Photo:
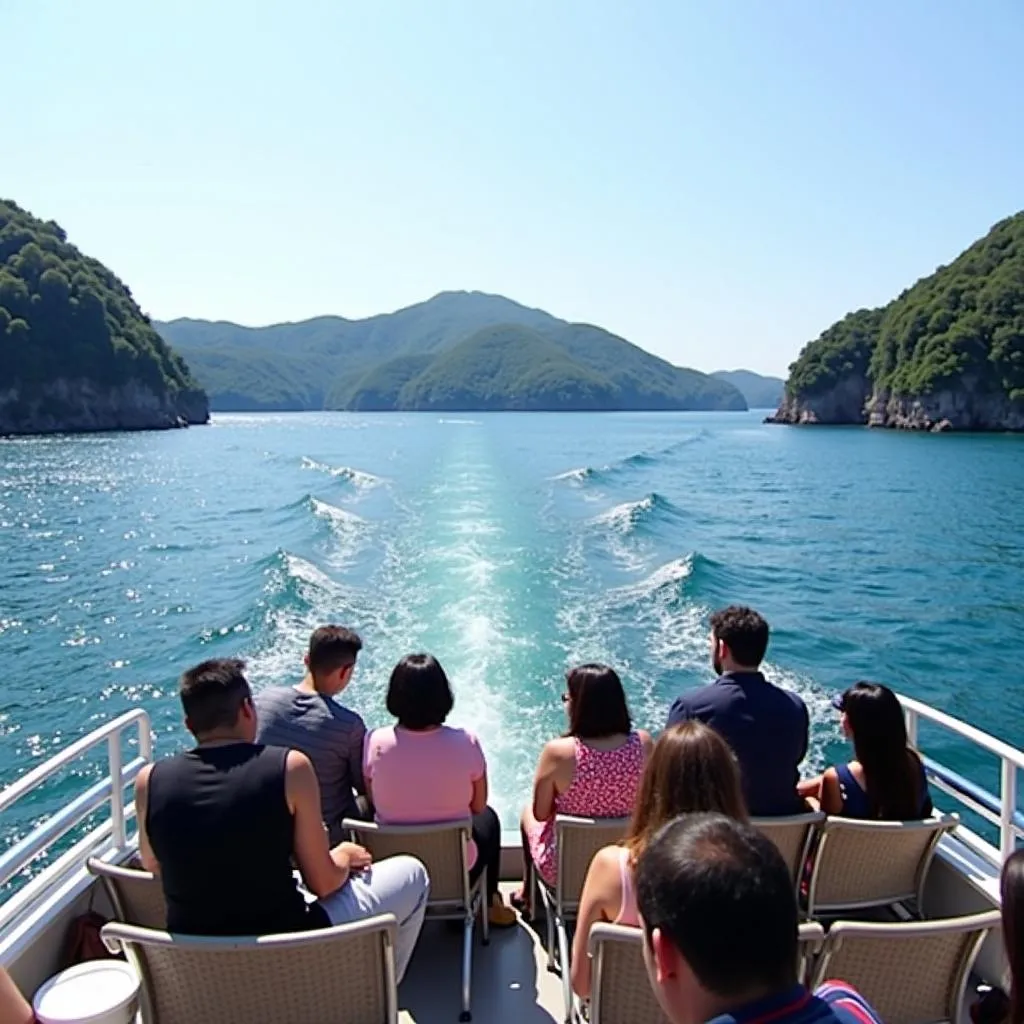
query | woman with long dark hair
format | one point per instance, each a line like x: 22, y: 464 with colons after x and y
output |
x: 1012, y: 896
x: 886, y: 779
x: 691, y: 769
x: 593, y: 770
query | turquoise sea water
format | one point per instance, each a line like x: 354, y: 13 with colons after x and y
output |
x: 510, y: 546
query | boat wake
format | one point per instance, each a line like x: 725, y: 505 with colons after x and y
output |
x: 633, y: 516
x: 355, y: 477
x: 638, y: 460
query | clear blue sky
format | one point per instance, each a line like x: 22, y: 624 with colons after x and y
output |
x: 716, y: 181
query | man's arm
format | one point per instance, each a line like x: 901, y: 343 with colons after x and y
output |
x: 679, y: 712
x: 149, y: 861
x: 323, y: 870
x: 356, y: 739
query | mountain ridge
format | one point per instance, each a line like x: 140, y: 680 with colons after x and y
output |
x: 321, y: 362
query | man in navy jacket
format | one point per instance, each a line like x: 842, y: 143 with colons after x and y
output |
x: 766, y: 726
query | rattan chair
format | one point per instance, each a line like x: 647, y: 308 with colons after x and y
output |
x: 577, y: 840
x: 339, y: 975
x: 620, y: 990
x: 858, y: 865
x: 443, y: 849
x: 136, y: 896
x: 794, y: 836
x: 911, y: 972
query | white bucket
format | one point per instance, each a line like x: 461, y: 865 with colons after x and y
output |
x: 96, y: 992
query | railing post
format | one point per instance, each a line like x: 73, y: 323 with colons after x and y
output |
x: 1008, y: 805
x: 116, y: 790
x: 911, y: 717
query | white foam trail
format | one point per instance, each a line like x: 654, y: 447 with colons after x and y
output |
x: 461, y: 423
x: 575, y: 475
x: 339, y: 517
x: 354, y: 476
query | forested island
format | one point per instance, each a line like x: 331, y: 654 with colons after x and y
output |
x: 947, y: 354
x: 76, y: 352
x: 459, y: 351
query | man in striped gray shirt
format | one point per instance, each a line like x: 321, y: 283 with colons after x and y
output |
x: 306, y: 717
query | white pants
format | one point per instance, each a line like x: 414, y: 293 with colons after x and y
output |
x: 396, y: 885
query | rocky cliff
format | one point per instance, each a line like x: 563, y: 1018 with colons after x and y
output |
x: 76, y: 352
x: 83, y: 406
x: 947, y: 354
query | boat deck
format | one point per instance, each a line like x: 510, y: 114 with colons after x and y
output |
x: 511, y: 982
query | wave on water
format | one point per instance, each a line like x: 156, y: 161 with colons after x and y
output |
x: 356, y: 477
x: 460, y: 423
x: 631, y: 516
x: 339, y: 518
x: 638, y: 460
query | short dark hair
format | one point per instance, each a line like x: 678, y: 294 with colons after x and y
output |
x: 743, y: 631
x: 722, y: 894
x: 213, y: 692
x: 419, y: 694
x: 598, y: 703
x: 331, y: 648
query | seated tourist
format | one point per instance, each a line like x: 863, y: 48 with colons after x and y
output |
x: 593, y: 770
x: 691, y: 769
x: 14, y: 1007
x: 766, y: 726
x: 1012, y: 899
x: 720, y: 925
x: 306, y: 717
x: 886, y: 780
x: 221, y: 823
x: 421, y: 771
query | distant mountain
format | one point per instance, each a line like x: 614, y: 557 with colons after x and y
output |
x: 459, y: 350
x: 946, y: 354
x: 760, y: 392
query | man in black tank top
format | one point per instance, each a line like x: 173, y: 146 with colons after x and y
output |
x: 221, y: 823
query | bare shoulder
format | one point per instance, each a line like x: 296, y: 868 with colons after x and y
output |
x: 645, y: 738
x: 142, y: 779
x: 297, y: 765
x: 558, y: 750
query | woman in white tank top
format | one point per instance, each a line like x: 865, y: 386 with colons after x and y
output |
x: 690, y: 769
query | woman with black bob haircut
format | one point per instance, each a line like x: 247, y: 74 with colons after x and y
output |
x: 421, y: 771
x: 593, y: 770
x: 886, y: 779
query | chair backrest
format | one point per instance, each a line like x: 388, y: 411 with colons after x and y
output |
x: 339, y: 975
x: 810, y: 939
x: 578, y: 839
x: 443, y: 849
x: 910, y: 972
x: 859, y: 864
x: 793, y: 835
x: 136, y: 896
x: 620, y: 991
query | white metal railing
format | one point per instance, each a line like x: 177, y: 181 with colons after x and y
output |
x: 113, y: 790
x: 1000, y: 810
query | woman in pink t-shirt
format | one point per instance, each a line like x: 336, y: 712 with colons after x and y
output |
x: 421, y: 771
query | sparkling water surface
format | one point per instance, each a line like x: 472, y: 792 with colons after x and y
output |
x: 511, y: 546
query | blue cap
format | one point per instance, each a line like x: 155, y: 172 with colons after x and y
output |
x: 837, y: 701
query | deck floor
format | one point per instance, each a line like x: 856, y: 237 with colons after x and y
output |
x: 511, y: 982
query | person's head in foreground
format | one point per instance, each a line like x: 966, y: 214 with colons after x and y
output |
x: 719, y: 915
x: 1012, y: 893
x: 217, y: 702
x: 691, y: 769
x: 331, y: 658
x: 739, y: 639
